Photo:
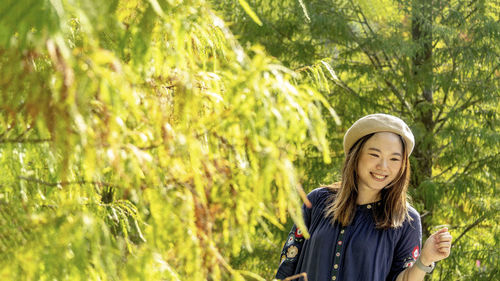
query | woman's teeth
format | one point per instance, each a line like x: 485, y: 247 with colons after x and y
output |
x: 378, y: 176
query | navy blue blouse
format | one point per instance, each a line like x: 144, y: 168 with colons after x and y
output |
x: 356, y: 252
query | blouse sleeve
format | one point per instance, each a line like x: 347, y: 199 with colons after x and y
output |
x: 290, y: 253
x: 408, y: 247
x: 293, y: 245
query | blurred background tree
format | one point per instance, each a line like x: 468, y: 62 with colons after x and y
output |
x: 433, y: 63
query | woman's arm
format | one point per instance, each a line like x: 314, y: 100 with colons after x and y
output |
x: 436, y: 248
x: 290, y: 253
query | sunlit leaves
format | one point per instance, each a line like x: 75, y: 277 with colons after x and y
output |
x: 141, y: 142
x: 373, y: 51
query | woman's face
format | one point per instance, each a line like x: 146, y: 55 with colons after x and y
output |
x: 380, y: 161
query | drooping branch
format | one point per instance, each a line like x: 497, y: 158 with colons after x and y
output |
x: 467, y: 167
x: 63, y: 183
x: 455, y: 108
x: 367, y: 24
x: 17, y: 140
x: 377, y: 62
x: 447, y: 92
x: 458, y: 108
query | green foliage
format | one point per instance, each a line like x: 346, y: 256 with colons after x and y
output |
x: 139, y: 141
x: 435, y: 64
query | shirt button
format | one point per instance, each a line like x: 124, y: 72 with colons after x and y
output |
x: 340, y: 242
x: 342, y: 231
x: 337, y: 254
x: 369, y: 206
x: 334, y: 277
x: 336, y: 266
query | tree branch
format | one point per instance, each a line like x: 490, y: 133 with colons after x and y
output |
x: 63, y: 183
x: 17, y: 140
x: 455, y: 108
x: 444, y: 21
x: 346, y: 87
x: 467, y: 167
x: 468, y: 228
x: 376, y: 62
x: 365, y: 22
x: 445, y: 99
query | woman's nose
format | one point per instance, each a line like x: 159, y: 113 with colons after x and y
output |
x: 382, y: 164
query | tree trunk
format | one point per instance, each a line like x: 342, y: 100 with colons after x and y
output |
x: 423, y: 103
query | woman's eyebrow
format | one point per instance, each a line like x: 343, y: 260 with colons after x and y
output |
x: 378, y: 150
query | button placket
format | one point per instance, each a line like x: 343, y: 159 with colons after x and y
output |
x: 338, y: 252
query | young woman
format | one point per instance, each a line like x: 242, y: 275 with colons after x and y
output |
x: 363, y: 227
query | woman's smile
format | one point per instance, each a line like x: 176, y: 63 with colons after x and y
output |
x: 378, y: 177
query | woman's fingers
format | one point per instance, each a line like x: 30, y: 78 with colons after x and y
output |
x: 444, y: 245
x: 444, y: 237
x: 442, y: 230
x: 442, y: 241
x: 442, y: 234
x: 438, y: 245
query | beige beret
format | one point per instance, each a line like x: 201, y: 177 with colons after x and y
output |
x: 375, y: 123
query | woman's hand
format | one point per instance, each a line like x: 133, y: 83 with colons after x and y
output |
x: 436, y: 247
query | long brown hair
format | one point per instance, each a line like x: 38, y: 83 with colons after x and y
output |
x: 392, y: 211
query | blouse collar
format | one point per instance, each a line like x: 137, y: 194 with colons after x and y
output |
x: 369, y: 206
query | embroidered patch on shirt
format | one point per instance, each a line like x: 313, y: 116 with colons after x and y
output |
x: 408, y: 264
x: 415, y: 253
x: 290, y: 241
x: 298, y: 233
x: 292, y: 252
x: 409, y: 261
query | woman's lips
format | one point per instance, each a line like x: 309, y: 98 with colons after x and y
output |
x: 378, y: 177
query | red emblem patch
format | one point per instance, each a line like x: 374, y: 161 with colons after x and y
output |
x: 298, y: 233
x: 415, y: 252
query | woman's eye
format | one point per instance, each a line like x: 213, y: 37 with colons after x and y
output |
x: 395, y: 159
x: 374, y: 155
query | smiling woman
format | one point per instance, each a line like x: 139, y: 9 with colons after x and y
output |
x: 363, y: 227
